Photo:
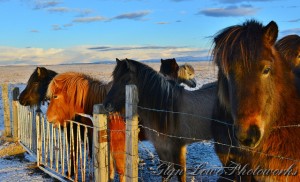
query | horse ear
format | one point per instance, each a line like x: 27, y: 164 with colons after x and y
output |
x: 38, y: 70
x: 118, y: 60
x: 129, y: 65
x: 41, y: 71
x: 271, y: 33
x: 161, y: 60
x: 174, y: 63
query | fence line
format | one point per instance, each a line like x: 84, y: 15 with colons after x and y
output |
x: 47, y: 142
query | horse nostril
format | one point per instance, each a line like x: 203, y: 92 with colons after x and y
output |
x: 250, y: 137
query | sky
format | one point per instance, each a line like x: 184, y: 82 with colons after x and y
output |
x: 44, y: 32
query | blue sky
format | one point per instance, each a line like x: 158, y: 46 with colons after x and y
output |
x: 43, y: 32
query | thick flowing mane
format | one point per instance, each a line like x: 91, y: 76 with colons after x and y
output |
x: 155, y: 91
x: 80, y: 91
x: 242, y: 43
x: 149, y: 81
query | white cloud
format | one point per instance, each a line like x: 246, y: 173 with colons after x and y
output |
x: 83, y: 54
x: 89, y: 19
x: 230, y: 11
x: 41, y: 4
x: 133, y: 15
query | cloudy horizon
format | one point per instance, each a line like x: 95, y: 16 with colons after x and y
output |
x: 59, y: 31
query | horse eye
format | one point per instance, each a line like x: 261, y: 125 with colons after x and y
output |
x: 54, y: 96
x: 266, y: 71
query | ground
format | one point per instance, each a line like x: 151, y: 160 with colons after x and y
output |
x: 18, y: 165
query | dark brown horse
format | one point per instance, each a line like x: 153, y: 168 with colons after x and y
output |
x: 35, y: 92
x: 184, y: 113
x: 181, y: 74
x: 169, y: 68
x: 258, y: 97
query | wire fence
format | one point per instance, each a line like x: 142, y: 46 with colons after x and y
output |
x: 149, y: 165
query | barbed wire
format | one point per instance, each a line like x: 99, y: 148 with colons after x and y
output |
x: 187, y: 114
x: 196, y: 139
x: 218, y: 143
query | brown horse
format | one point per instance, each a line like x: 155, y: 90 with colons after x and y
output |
x: 258, y: 97
x: 71, y: 93
x: 169, y: 68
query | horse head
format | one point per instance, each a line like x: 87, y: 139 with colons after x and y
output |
x: 122, y: 75
x: 36, y: 88
x: 249, y: 78
x: 186, y: 75
x: 169, y: 68
x: 67, y: 97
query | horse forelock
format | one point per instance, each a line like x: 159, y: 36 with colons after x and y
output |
x: 78, y: 91
x: 236, y: 44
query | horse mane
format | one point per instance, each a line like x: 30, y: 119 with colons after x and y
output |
x: 241, y: 37
x: 289, y: 47
x: 150, y: 82
x: 80, y: 91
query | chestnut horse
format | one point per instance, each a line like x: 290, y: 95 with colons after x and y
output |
x: 258, y: 97
x: 71, y: 93
x: 181, y: 74
x: 156, y: 92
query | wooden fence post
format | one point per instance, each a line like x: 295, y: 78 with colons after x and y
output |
x: 15, y: 93
x: 100, y: 144
x: 6, y: 110
x: 132, y: 131
x: 38, y: 138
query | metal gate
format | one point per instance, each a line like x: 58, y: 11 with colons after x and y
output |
x: 63, y: 152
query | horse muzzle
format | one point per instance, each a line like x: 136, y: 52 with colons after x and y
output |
x: 249, y: 137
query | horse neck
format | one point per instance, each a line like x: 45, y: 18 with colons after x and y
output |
x: 95, y: 95
x: 155, y: 90
x: 50, y: 75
